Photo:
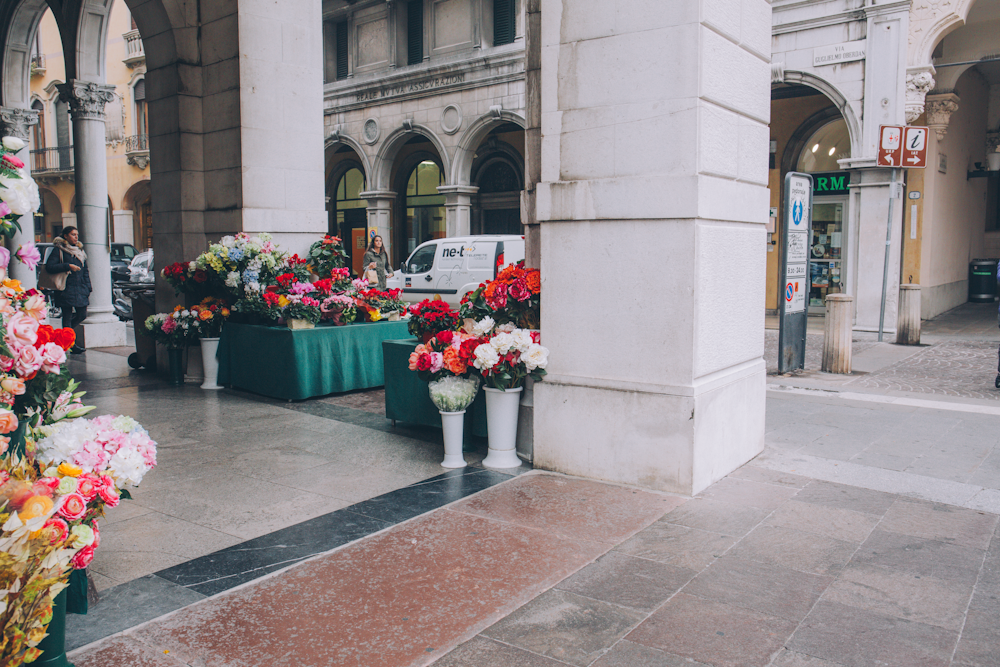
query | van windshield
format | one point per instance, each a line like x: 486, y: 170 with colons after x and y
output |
x: 422, y: 259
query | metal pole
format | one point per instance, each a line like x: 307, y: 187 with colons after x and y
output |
x: 888, y: 241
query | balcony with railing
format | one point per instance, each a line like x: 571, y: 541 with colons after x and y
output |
x: 137, y: 150
x: 52, y: 162
x: 134, y: 52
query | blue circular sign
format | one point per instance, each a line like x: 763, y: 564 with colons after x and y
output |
x: 797, y: 212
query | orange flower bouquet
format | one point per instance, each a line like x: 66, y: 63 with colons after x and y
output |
x: 513, y: 298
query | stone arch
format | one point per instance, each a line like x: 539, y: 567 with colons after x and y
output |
x: 927, y: 28
x: 91, y: 39
x: 137, y: 193
x: 461, y: 171
x: 835, y: 96
x: 23, y: 26
x: 382, y: 167
x: 337, y: 139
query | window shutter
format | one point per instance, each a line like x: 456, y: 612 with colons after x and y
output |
x: 140, y: 90
x: 415, y: 32
x: 503, y: 22
x: 342, y: 50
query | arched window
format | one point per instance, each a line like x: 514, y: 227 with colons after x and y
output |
x: 425, y: 219
x: 828, y: 144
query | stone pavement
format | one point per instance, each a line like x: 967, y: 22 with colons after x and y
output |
x: 763, y: 568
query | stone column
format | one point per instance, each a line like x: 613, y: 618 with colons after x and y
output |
x: 86, y: 101
x: 17, y: 123
x: 908, y: 330
x: 458, y: 208
x: 380, y: 216
x: 837, y: 334
x: 665, y: 388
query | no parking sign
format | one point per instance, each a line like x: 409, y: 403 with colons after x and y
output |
x: 797, y: 228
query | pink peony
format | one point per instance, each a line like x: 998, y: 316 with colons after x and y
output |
x: 498, y: 301
x: 169, y: 325
x: 437, y: 361
x: 519, y: 290
x: 29, y: 256
x: 73, y: 507
x: 83, y: 557
x: 91, y: 456
x: 22, y: 328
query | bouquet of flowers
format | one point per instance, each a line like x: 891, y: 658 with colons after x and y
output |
x: 514, y: 297
x: 175, y: 330
x: 326, y: 255
x: 18, y: 195
x: 210, y: 315
x: 339, y: 309
x: 376, y: 304
x: 507, y: 354
x: 429, y: 318
x: 339, y: 280
x: 445, y: 362
x: 187, y: 278
x: 245, y: 264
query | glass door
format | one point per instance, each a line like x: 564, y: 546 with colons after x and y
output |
x: 827, y: 251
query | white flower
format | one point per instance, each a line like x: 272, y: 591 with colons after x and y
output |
x: 21, y: 194
x: 192, y: 266
x: 233, y: 279
x: 127, y: 466
x: 13, y: 143
x: 522, y: 340
x: 507, y: 328
x: 227, y: 241
x: 124, y: 424
x: 185, y: 313
x: 486, y: 357
x: 483, y: 327
x: 502, y: 343
x: 536, y: 356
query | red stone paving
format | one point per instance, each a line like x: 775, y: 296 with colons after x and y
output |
x: 406, y: 596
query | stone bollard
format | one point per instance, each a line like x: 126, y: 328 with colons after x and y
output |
x: 908, y: 322
x: 837, y: 336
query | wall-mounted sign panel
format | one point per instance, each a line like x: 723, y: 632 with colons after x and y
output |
x: 839, y: 53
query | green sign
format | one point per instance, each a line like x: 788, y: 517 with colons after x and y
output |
x: 831, y: 183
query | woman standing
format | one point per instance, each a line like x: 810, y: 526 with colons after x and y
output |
x: 68, y: 255
x: 377, y: 259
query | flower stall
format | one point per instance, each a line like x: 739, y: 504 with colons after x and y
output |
x: 58, y: 470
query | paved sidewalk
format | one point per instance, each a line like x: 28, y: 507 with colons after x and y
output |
x: 762, y: 569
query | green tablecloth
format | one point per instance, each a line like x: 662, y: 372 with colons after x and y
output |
x: 406, y: 397
x: 295, y: 365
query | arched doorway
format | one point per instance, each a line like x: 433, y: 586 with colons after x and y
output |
x: 349, y: 215
x: 139, y: 202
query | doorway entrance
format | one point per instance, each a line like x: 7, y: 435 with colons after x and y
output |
x: 354, y: 231
x: 826, y: 251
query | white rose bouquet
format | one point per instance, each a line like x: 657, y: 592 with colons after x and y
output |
x: 509, y: 355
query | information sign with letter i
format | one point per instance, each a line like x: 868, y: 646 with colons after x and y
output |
x: 796, y: 226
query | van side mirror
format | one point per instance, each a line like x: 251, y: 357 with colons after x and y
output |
x: 402, y: 266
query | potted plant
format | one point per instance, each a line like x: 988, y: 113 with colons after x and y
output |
x: 445, y: 363
x: 300, y: 311
x: 210, y: 314
x: 375, y: 305
x: 175, y: 330
x: 429, y: 318
x: 338, y: 309
x: 326, y: 255
x: 505, y: 358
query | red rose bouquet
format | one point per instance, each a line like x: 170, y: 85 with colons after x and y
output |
x: 514, y: 298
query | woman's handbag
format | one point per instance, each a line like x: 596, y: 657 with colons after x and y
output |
x: 53, y: 281
x: 371, y: 275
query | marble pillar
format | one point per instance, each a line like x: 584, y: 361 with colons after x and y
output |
x: 86, y: 102
x: 653, y: 184
x: 17, y: 123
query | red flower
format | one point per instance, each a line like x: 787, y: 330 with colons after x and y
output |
x: 270, y: 298
x: 424, y: 362
x: 286, y: 279
x: 64, y: 338
x: 519, y: 291
x: 446, y: 337
x: 12, y: 161
x: 200, y: 276
x: 45, y: 335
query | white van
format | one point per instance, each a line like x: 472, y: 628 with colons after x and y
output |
x: 453, y: 267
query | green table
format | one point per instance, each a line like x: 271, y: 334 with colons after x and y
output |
x: 295, y: 365
x: 406, y: 397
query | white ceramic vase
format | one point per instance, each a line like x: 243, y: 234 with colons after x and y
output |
x: 501, y: 424
x: 209, y: 364
x: 453, y: 425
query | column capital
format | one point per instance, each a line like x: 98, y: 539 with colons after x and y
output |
x: 378, y: 195
x: 919, y: 82
x: 86, y: 99
x: 15, y: 122
x: 939, y: 108
x: 458, y: 190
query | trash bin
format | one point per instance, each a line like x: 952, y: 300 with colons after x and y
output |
x: 143, y: 305
x: 983, y: 280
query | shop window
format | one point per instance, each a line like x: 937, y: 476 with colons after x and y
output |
x: 414, y: 32
x: 425, y: 218
x: 503, y: 22
x: 825, y: 147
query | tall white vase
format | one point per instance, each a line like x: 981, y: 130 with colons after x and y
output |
x: 453, y: 425
x: 501, y: 425
x: 210, y: 364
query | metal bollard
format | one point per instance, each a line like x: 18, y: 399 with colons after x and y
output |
x: 837, y: 336
x: 908, y: 321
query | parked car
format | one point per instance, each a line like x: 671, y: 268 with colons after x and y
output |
x: 141, y: 278
x: 453, y: 267
x: 121, y: 256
